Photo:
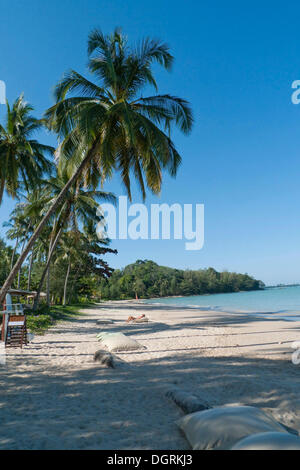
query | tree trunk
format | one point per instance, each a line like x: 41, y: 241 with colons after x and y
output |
x: 40, y: 227
x: 30, y: 269
x: 71, y: 290
x: 66, y: 281
x: 48, y: 275
x: 19, y: 278
x: 13, y: 254
x: 51, y: 251
x: 48, y: 286
x: 48, y: 270
x: 19, y: 273
x: 2, y: 185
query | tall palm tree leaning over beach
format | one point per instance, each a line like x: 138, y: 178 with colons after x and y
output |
x: 109, y: 126
x: 78, y: 205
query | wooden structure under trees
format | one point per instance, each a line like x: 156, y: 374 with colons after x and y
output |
x: 14, y: 330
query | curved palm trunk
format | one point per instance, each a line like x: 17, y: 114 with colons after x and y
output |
x: 19, y: 278
x: 13, y: 254
x: 51, y: 251
x: 2, y: 184
x: 30, y: 269
x: 19, y: 273
x: 40, y: 227
x: 66, y: 282
x: 48, y: 277
x: 48, y: 286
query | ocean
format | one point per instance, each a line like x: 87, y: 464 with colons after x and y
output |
x: 282, y: 301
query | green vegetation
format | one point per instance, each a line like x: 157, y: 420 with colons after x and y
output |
x: 23, y: 161
x: 75, y: 270
x: 48, y: 316
x: 103, y: 126
x: 6, y: 253
x: 147, y: 279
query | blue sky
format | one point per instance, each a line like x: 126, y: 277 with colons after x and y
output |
x: 235, y: 62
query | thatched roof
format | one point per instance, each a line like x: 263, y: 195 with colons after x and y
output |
x: 27, y: 293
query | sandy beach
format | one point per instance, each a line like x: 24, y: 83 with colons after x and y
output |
x: 54, y: 396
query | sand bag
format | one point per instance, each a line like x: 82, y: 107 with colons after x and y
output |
x: 222, y: 427
x: 186, y: 401
x: 104, y: 358
x: 118, y: 342
x: 269, y: 441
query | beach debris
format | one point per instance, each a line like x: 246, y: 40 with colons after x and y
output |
x: 268, y: 441
x: 222, y: 427
x: 105, y: 358
x: 104, y: 321
x: 186, y: 401
x: 118, y: 342
x: 30, y: 337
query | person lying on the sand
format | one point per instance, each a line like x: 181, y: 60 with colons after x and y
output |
x: 131, y: 318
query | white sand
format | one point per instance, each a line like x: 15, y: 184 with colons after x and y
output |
x: 53, y: 396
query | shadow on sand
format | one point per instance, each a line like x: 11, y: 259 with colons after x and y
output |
x: 61, y: 408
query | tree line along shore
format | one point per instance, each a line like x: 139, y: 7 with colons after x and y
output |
x: 146, y: 279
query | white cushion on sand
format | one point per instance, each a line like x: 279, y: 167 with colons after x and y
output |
x: 104, y: 321
x: 269, y: 441
x: 30, y: 336
x: 222, y: 427
x: 118, y: 342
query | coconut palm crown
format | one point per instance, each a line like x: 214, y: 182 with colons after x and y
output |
x: 22, y: 158
x: 109, y: 125
x: 122, y: 129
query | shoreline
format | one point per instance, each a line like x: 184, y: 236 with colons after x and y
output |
x: 63, y: 400
x: 289, y: 313
x: 184, y: 296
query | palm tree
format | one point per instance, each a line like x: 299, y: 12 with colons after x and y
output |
x: 79, y: 205
x: 22, y: 159
x: 39, y: 251
x: 34, y: 207
x: 5, y: 257
x: 109, y: 126
x: 16, y: 224
x: 19, y: 230
x: 84, y: 251
x: 68, y: 251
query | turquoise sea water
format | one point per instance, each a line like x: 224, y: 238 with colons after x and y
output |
x: 283, y: 301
